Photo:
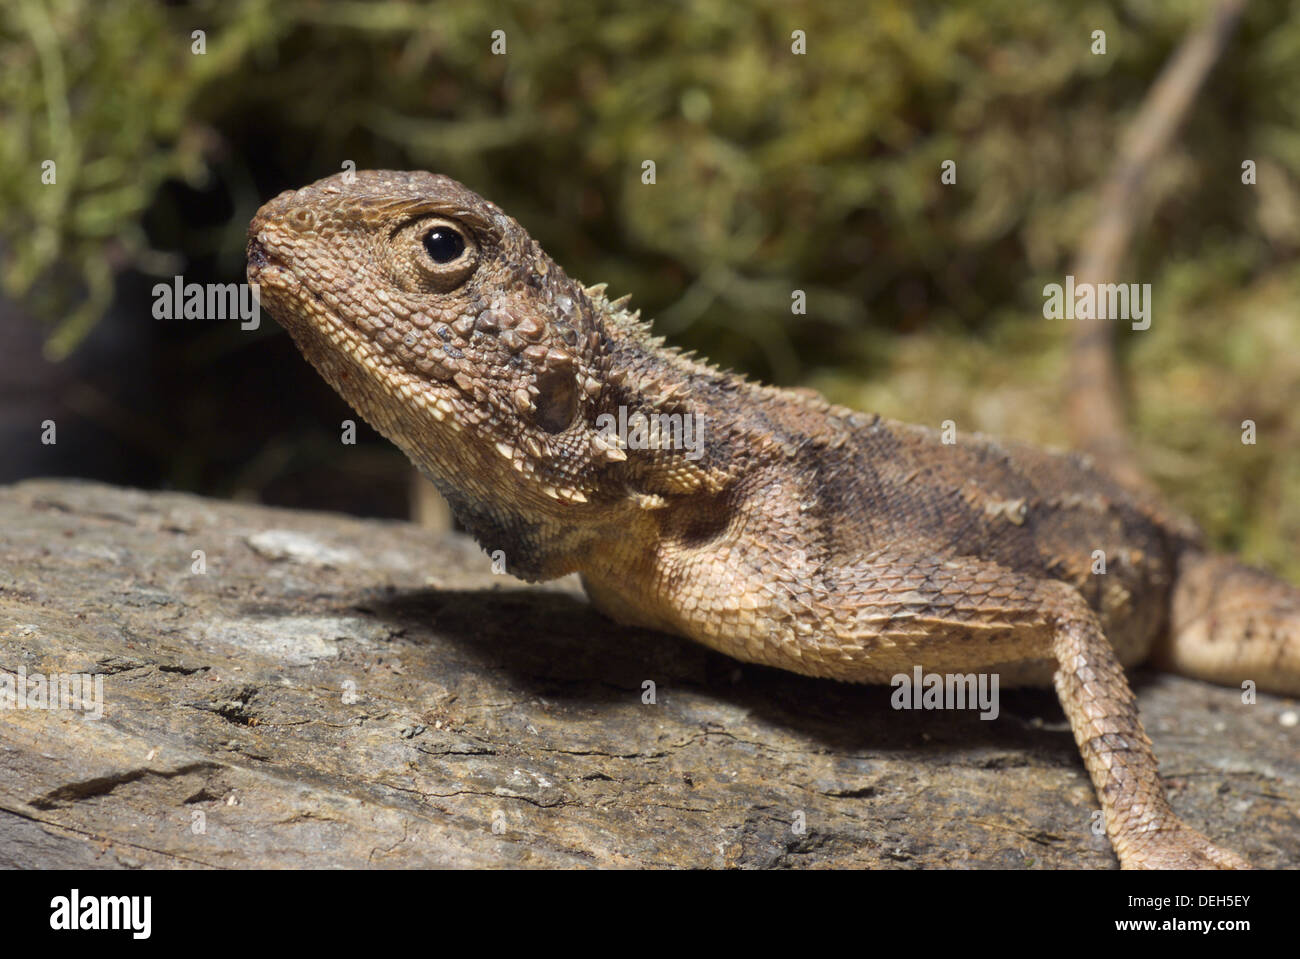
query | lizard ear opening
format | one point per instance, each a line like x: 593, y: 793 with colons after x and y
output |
x: 557, y: 401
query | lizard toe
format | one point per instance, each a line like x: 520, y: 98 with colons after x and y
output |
x: 1177, y: 847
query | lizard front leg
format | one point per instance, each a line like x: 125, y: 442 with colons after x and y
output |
x: 1103, y: 714
x: 891, y: 612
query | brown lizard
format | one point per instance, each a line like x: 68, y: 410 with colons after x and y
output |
x: 795, y: 533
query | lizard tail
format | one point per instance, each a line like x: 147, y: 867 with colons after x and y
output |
x: 1231, y: 623
x: 1095, y: 410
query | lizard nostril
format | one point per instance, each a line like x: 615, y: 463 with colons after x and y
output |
x: 302, y: 219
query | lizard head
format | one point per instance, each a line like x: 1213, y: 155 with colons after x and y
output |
x: 440, y: 320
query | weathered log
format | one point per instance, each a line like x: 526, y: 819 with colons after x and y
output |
x: 333, y: 691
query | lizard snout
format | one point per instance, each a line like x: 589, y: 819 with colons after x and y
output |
x: 257, y: 256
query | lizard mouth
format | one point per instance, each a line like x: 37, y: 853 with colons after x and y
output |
x: 265, y: 270
x: 257, y: 255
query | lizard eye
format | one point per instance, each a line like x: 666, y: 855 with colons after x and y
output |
x: 444, y: 244
x: 442, y: 255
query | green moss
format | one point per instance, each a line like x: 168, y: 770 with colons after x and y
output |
x: 774, y: 172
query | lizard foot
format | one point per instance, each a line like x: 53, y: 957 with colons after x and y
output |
x: 1175, y: 847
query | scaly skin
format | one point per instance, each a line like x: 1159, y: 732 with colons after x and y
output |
x: 803, y: 535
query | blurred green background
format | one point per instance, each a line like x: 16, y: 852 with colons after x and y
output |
x: 775, y: 172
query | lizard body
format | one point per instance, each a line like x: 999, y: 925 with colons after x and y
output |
x: 797, y: 533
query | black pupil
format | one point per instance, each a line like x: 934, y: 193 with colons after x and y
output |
x: 444, y: 244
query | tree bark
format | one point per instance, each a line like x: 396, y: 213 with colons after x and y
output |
x: 341, y: 692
